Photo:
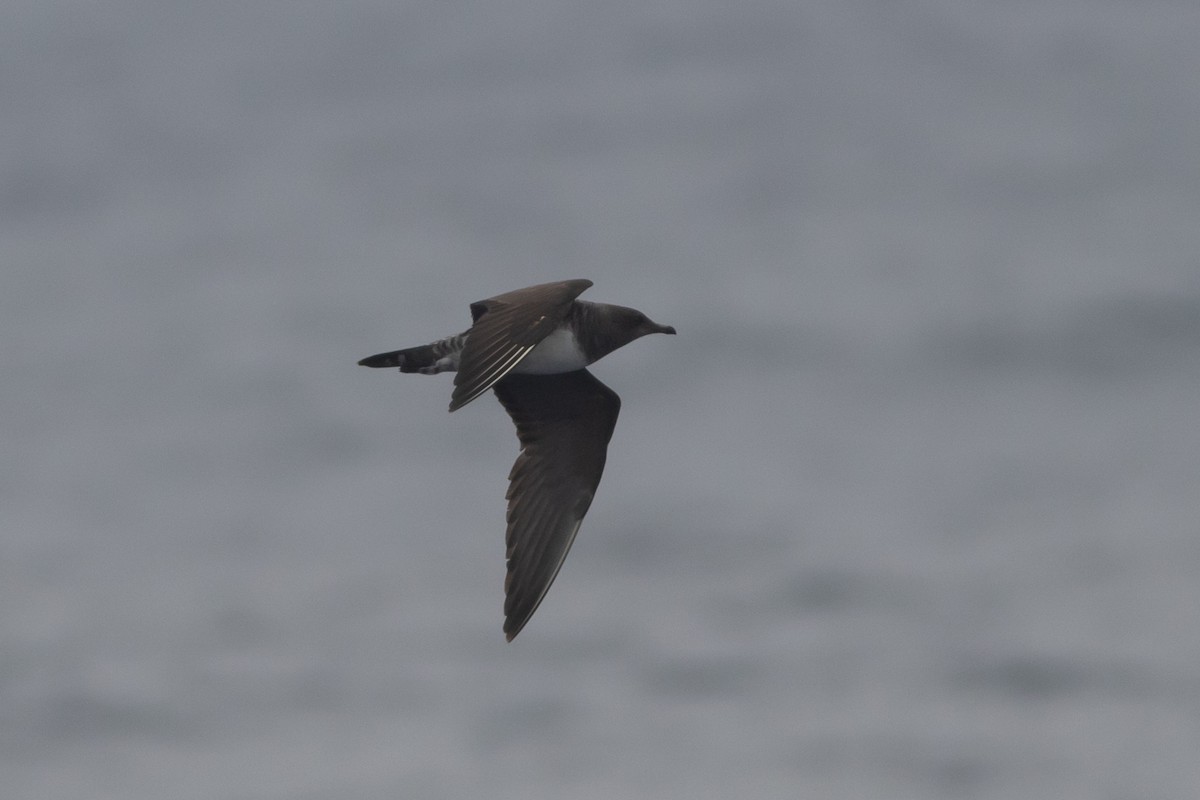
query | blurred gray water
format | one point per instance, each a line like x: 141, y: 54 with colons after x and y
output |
x: 908, y: 509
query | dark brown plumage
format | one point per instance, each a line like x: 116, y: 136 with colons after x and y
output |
x: 532, y: 346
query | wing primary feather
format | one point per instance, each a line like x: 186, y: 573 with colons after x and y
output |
x: 481, y: 384
x: 564, y: 422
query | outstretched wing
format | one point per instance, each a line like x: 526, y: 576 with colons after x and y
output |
x: 564, y: 423
x: 506, y: 328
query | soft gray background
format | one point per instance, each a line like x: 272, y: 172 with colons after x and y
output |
x: 909, y: 508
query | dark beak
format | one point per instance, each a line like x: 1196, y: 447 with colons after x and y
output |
x: 656, y: 328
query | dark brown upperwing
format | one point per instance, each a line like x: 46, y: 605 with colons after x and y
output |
x: 564, y: 423
x: 506, y: 328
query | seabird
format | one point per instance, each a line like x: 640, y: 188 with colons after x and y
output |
x: 532, y: 346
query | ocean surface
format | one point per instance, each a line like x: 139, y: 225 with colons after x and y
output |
x: 910, y: 508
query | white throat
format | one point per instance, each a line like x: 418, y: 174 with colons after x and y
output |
x: 558, y: 352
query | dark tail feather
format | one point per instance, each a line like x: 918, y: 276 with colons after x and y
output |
x: 412, y: 359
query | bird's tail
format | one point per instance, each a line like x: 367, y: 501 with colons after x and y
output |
x: 428, y: 359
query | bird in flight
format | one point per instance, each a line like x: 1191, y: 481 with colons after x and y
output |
x: 532, y: 346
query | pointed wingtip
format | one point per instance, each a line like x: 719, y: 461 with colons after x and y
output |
x: 513, y: 626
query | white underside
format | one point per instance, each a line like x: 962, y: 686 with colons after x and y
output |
x: 444, y: 364
x: 558, y: 352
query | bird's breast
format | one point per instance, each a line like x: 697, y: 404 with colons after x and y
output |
x: 558, y: 352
